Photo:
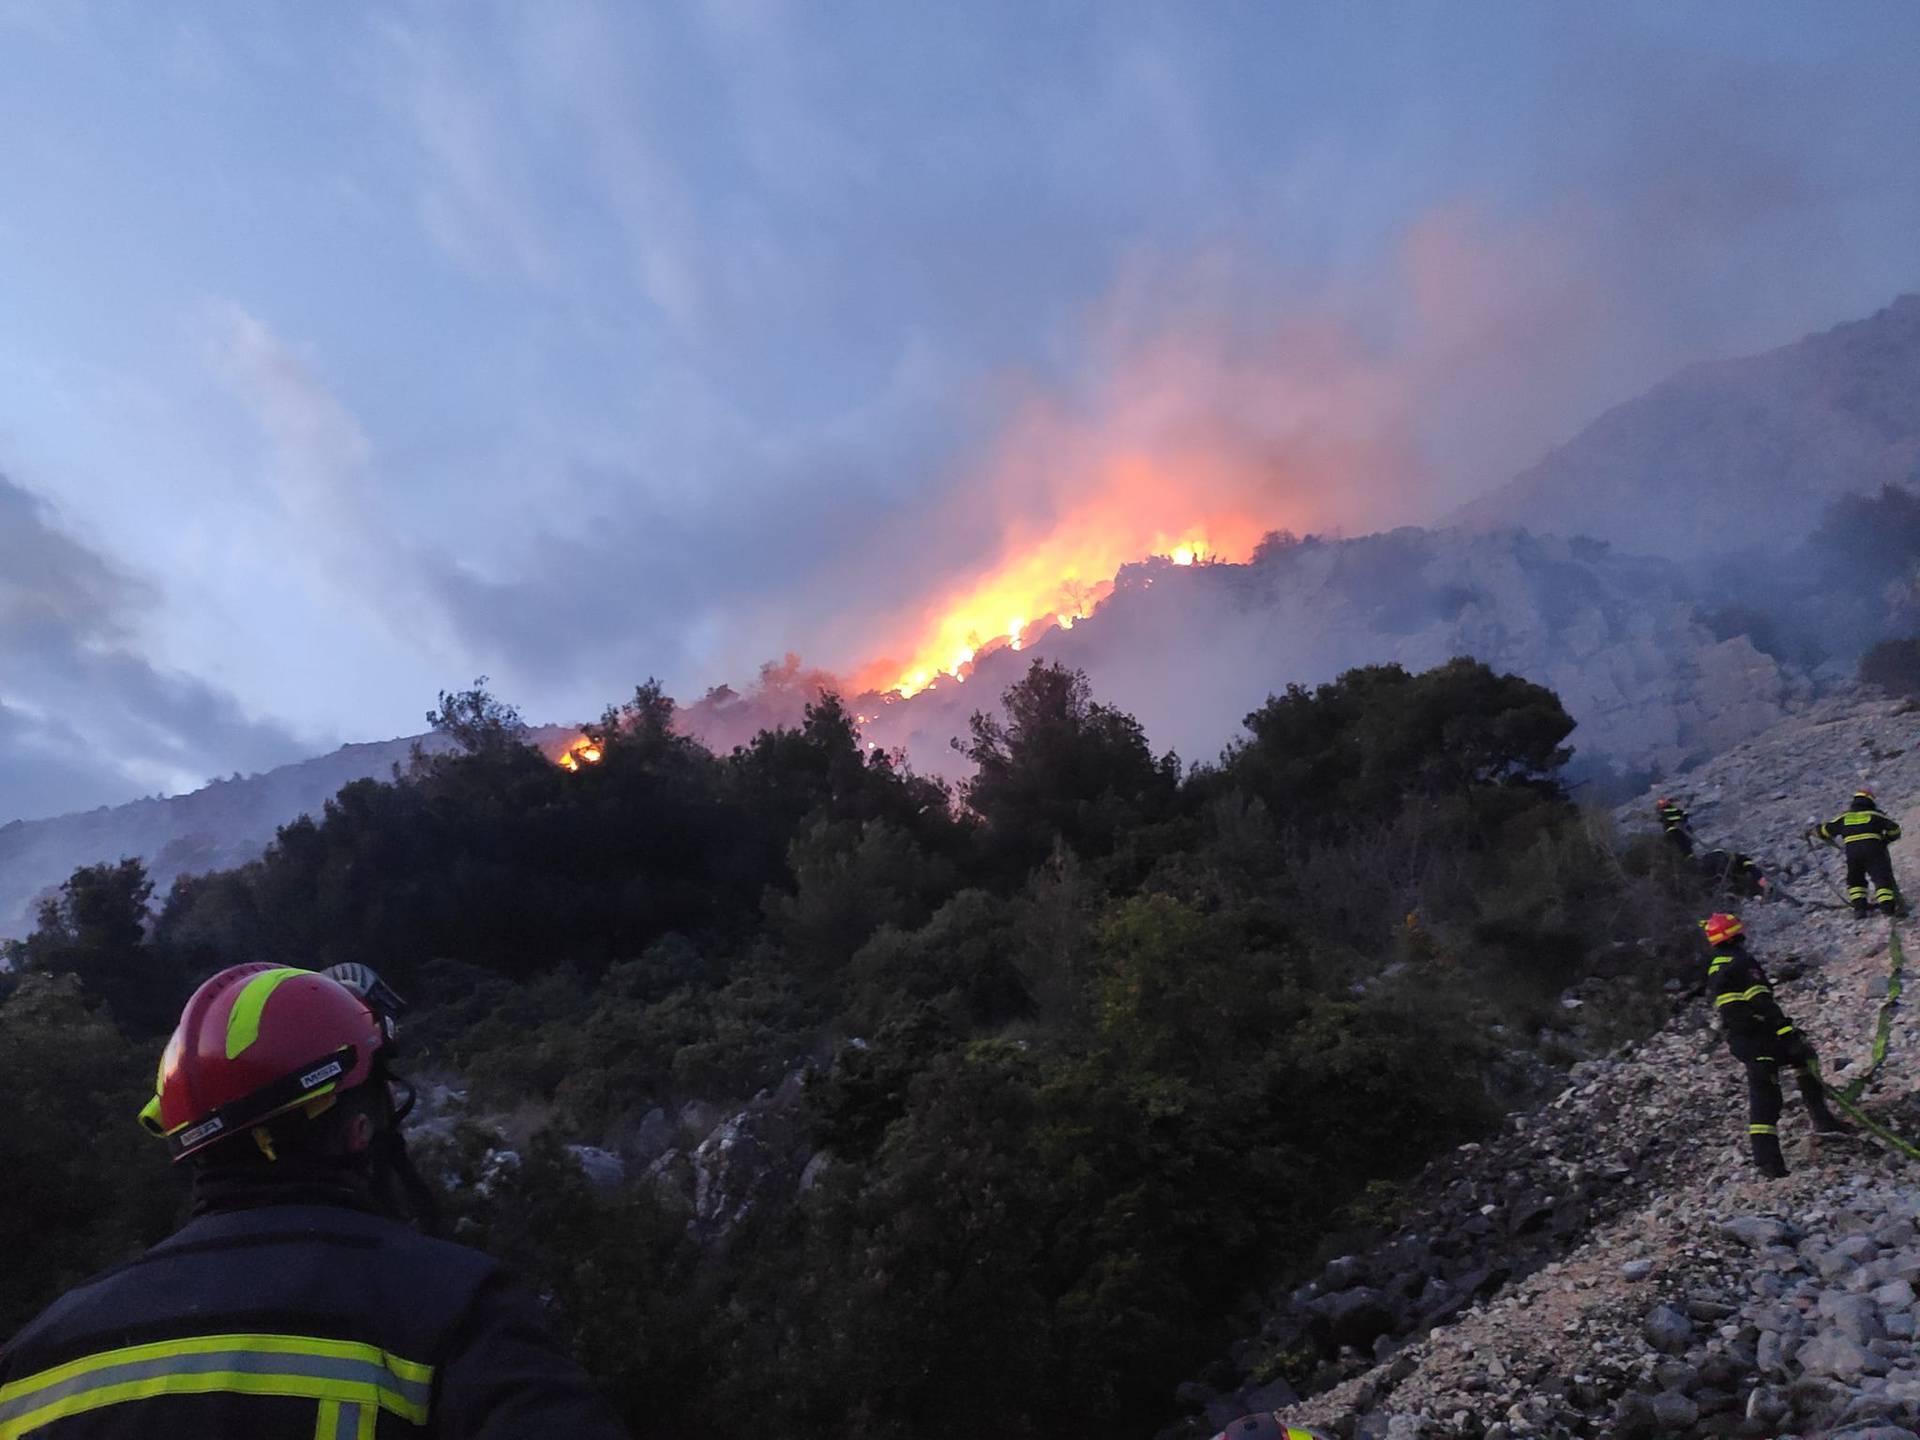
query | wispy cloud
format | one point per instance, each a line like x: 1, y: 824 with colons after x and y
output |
x: 84, y: 719
x: 585, y: 340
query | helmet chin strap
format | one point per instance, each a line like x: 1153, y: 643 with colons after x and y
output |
x: 397, y: 1185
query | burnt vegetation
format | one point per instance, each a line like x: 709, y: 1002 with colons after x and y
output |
x: 1097, y: 1045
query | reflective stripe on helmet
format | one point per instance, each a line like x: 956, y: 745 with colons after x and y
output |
x: 1722, y: 927
x: 243, y: 1021
x: 342, y: 1374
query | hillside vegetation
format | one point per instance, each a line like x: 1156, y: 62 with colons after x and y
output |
x: 1082, y: 1054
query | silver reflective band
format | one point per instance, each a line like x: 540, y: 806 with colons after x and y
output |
x: 341, y: 1372
x: 343, y: 1422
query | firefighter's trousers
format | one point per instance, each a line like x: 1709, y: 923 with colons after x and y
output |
x: 1869, y: 867
x: 1764, y: 1104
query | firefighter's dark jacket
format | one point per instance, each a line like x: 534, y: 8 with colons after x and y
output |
x: 1743, y: 1001
x: 304, y: 1321
x: 1860, y: 825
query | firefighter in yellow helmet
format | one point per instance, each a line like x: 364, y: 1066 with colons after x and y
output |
x: 1864, y: 833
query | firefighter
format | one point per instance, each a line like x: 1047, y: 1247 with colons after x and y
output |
x: 1733, y: 873
x: 1265, y: 1427
x: 1673, y: 817
x: 290, y: 1307
x: 1763, y: 1040
x: 1864, y: 833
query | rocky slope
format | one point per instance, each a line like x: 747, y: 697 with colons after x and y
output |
x: 1739, y: 452
x: 1610, y: 1265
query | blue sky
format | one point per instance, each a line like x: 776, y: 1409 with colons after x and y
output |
x: 349, y: 351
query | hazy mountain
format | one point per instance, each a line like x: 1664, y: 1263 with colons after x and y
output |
x: 225, y: 823
x: 1736, y: 452
x: 1189, y: 650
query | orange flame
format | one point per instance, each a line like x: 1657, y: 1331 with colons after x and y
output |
x: 581, y: 752
x: 1059, y: 578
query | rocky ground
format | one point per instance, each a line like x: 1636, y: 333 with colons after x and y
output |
x: 1611, y: 1265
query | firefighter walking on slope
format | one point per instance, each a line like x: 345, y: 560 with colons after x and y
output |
x: 1675, y: 821
x: 1763, y: 1040
x: 1864, y: 833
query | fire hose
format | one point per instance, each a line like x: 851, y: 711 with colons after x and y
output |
x: 1860, y: 1118
x: 1846, y: 1096
x: 1807, y: 835
x: 1897, y: 960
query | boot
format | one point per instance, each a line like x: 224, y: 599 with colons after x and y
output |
x: 1767, y: 1157
x: 1825, y: 1122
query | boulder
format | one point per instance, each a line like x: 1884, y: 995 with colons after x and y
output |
x: 1854, y: 1316
x: 1674, y: 1412
x: 1837, y: 1355
x: 1354, y: 1317
x: 603, y: 1169
x: 1667, y: 1330
x: 1756, y: 1232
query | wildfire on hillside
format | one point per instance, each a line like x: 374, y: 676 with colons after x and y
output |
x: 1057, y: 581
x: 581, y: 752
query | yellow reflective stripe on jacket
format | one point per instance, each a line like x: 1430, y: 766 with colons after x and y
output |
x: 343, y: 1372
x: 1733, y: 995
x: 344, y: 1422
x: 1871, y: 825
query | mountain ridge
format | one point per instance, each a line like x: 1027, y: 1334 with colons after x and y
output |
x: 1189, y: 650
x: 1757, y: 444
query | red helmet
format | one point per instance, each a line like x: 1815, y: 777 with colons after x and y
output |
x: 1722, y: 927
x: 1264, y: 1426
x: 256, y: 1041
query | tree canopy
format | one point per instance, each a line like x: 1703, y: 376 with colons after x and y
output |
x: 1085, y: 1047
